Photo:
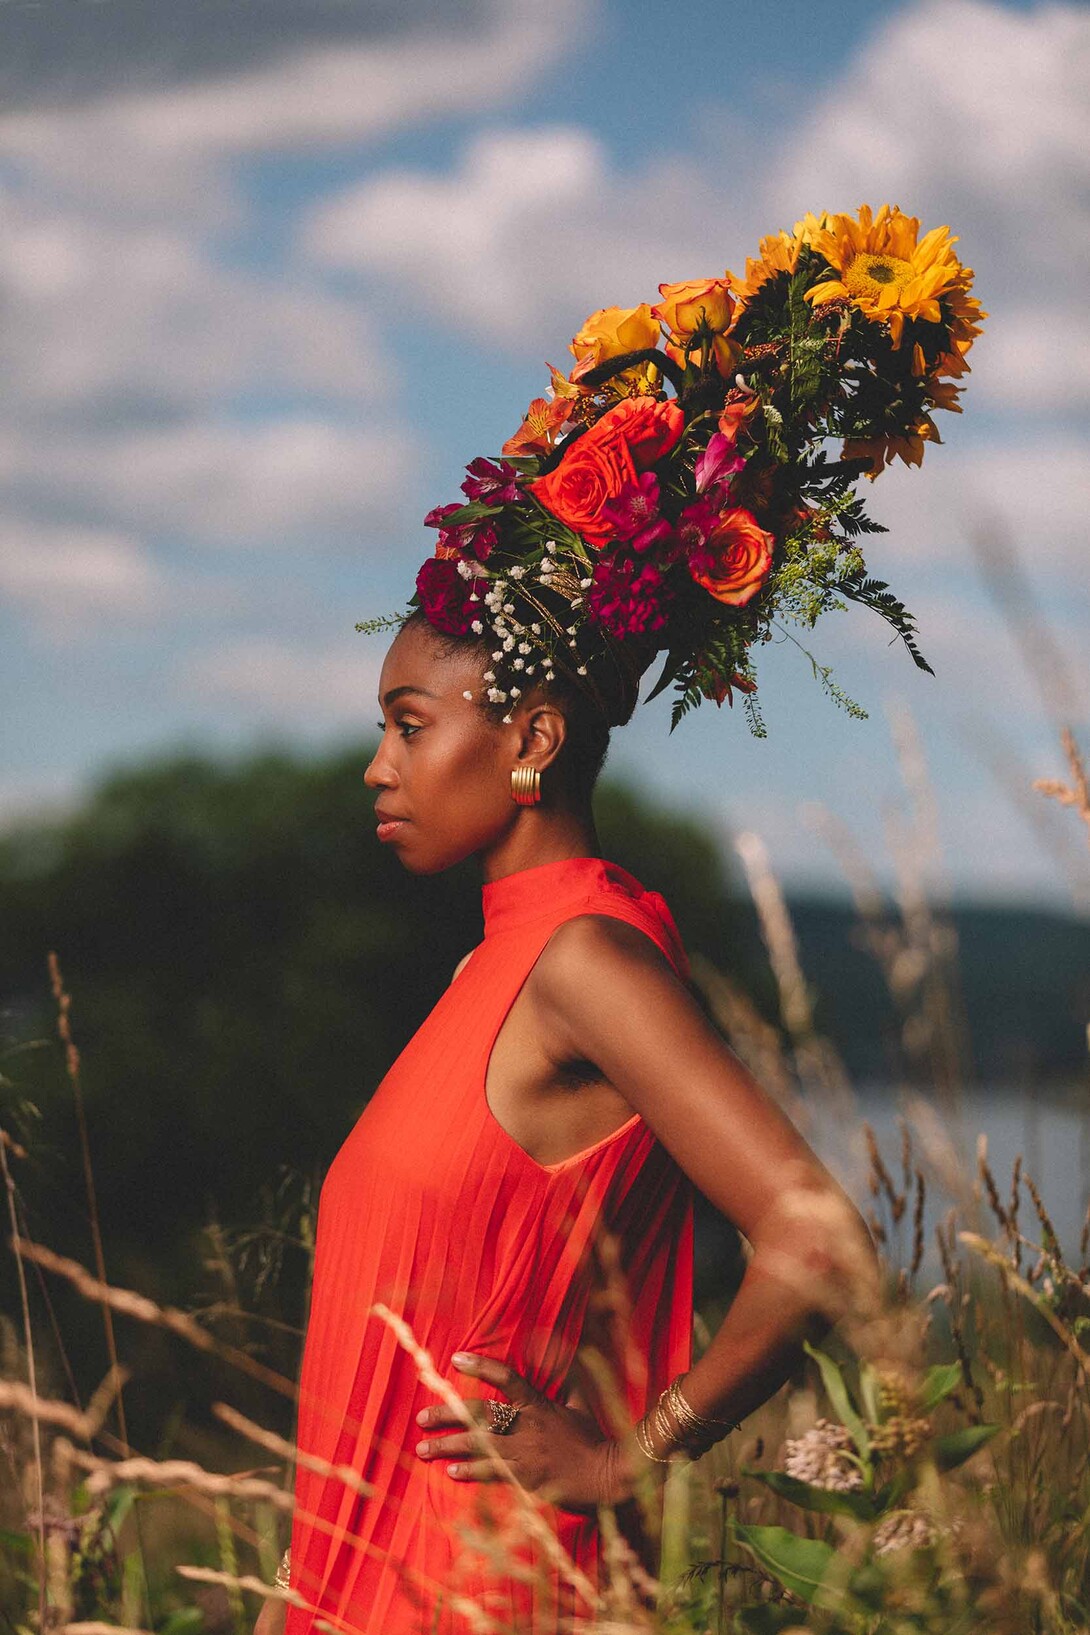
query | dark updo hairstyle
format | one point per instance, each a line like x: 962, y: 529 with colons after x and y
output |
x: 591, y: 707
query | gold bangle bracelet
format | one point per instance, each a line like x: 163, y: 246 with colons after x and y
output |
x: 643, y: 1442
x: 283, y: 1572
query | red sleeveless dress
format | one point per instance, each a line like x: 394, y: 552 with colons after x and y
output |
x: 431, y: 1208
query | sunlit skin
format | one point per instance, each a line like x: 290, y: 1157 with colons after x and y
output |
x: 601, y: 1029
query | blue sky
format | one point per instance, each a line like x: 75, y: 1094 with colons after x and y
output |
x: 271, y: 276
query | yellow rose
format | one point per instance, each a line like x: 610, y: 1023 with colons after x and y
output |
x: 611, y: 332
x: 684, y: 308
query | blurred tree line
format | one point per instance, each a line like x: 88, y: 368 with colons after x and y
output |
x: 245, y: 961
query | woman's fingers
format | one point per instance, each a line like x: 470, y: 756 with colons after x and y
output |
x: 473, y: 1470
x: 440, y: 1413
x: 496, y: 1373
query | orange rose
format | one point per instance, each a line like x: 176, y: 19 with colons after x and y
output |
x: 609, y: 333
x: 701, y: 303
x: 735, y: 559
x: 627, y: 439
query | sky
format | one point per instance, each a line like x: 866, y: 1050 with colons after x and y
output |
x: 273, y: 271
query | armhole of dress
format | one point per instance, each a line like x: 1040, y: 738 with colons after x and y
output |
x: 640, y: 922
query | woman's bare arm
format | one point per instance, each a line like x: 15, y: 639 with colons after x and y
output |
x: 605, y: 992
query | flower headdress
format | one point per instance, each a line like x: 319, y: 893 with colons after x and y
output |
x: 620, y: 520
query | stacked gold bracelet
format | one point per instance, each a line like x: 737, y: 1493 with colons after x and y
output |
x: 283, y: 1572
x: 689, y: 1432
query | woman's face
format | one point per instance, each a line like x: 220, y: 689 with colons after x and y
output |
x: 443, y: 768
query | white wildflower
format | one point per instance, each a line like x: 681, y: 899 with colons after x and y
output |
x: 489, y: 675
x: 468, y: 695
x: 518, y: 664
x: 582, y: 670
x: 477, y: 627
x: 524, y: 647
x: 903, y: 1530
x: 496, y: 696
x: 516, y: 572
x: 821, y: 1458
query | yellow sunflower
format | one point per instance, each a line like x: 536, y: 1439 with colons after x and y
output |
x: 778, y: 253
x: 883, y: 450
x: 888, y: 271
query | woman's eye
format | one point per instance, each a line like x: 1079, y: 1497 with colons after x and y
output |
x: 406, y: 729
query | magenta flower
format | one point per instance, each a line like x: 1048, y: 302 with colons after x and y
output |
x: 627, y: 597
x: 475, y: 539
x: 658, y: 532
x: 445, y: 595
x: 635, y: 507
x: 697, y: 521
x: 718, y: 464
x: 490, y: 483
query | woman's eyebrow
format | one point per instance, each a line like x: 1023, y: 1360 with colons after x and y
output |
x: 397, y: 692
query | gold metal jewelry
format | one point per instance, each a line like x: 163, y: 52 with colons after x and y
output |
x: 283, y: 1572
x: 686, y: 1414
x: 502, y: 1416
x: 525, y: 784
x: 643, y: 1442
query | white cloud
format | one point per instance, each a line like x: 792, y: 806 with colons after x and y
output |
x: 977, y: 115
x: 112, y: 321
x: 349, y: 80
x: 533, y: 229
x: 74, y: 579
x: 284, y: 683
x: 270, y: 483
x: 1036, y: 490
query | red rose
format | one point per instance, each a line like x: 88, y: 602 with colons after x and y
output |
x: 734, y: 559
x: 626, y: 440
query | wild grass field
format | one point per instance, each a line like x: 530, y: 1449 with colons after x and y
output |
x: 926, y: 1470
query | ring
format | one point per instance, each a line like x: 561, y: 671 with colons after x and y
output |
x: 502, y: 1416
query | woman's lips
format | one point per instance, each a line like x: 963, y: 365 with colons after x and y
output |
x: 388, y: 828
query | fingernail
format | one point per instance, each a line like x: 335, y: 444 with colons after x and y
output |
x: 464, y: 1359
x: 422, y: 1417
x: 454, y: 1470
x: 422, y: 1447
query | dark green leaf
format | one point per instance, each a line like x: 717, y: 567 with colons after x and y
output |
x: 952, y: 1450
x: 809, y: 1497
x: 798, y: 1563
x: 938, y: 1383
x: 833, y: 1381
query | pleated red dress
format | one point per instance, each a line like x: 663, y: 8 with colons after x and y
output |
x: 432, y: 1209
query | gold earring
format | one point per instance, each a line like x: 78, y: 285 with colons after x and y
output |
x: 525, y: 785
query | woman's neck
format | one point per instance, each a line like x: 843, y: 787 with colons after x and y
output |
x: 540, y: 837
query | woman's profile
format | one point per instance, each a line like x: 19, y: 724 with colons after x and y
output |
x: 515, y: 1200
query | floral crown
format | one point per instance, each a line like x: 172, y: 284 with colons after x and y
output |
x: 620, y: 521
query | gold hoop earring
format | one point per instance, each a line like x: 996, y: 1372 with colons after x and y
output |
x: 525, y: 785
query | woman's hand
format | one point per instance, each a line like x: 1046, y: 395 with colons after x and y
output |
x: 558, y: 1452
x: 270, y: 1620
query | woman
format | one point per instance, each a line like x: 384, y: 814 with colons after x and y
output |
x: 498, y: 1356
x: 566, y: 1086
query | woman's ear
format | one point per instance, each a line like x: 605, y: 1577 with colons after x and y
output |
x: 543, y: 735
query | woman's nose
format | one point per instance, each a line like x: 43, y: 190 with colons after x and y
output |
x: 379, y: 774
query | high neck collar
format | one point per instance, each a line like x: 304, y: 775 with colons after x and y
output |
x: 534, y: 893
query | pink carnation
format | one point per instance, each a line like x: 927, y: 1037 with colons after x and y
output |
x: 627, y: 596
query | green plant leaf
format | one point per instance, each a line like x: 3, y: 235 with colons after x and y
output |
x: 472, y: 511
x: 868, y: 1390
x: 809, y: 1497
x: 952, y: 1450
x: 670, y: 669
x: 938, y: 1382
x: 798, y: 1563
x: 837, y: 1390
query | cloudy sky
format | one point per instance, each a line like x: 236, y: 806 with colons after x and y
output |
x: 272, y: 272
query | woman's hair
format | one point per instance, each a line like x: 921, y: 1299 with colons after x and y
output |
x: 586, y: 742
